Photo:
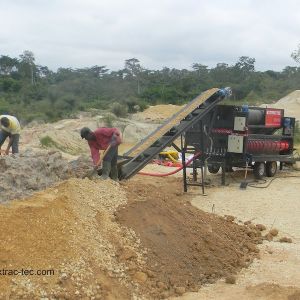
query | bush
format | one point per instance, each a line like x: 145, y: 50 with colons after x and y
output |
x: 109, y: 120
x: 143, y: 105
x: 119, y: 110
x: 47, y: 142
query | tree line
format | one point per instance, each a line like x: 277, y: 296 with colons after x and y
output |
x: 32, y: 91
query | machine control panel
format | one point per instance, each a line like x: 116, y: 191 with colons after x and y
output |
x: 239, y: 123
x: 235, y: 144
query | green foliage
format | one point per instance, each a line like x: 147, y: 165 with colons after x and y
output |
x: 32, y: 91
x: 120, y: 110
x: 109, y: 120
x: 47, y: 142
x: 4, y: 106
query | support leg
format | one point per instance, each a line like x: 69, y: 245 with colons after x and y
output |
x: 223, y: 173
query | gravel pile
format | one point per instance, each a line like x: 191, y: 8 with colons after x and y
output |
x: 28, y: 172
x: 69, y: 228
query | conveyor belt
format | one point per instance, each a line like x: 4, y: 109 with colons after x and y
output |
x: 173, y: 127
x: 169, y: 123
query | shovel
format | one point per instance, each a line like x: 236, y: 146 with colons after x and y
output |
x: 244, y: 183
x: 92, y: 173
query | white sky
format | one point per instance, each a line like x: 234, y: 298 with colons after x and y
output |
x: 172, y: 33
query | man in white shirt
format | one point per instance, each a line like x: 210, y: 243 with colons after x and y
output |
x: 10, y: 127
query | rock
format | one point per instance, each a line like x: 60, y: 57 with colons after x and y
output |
x: 127, y: 254
x: 251, y: 234
x: 180, y: 290
x: 229, y: 218
x: 162, y: 285
x: 211, y: 280
x: 285, y: 240
x: 140, y: 277
x: 269, y: 237
x: 252, y: 226
x: 230, y: 279
x: 274, y: 232
x: 260, y: 227
x: 164, y: 294
x: 251, y: 247
x: 150, y: 273
x: 63, y: 276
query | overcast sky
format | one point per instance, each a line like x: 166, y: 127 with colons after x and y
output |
x: 172, y: 33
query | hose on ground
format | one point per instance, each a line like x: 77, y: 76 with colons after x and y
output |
x: 188, y: 162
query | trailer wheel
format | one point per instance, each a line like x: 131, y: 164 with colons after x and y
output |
x: 271, y: 168
x: 213, y: 169
x: 259, y: 170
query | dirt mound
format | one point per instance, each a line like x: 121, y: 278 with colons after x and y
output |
x: 64, y: 135
x: 154, y: 246
x: 136, y: 131
x: 69, y: 229
x: 290, y: 103
x: 157, y: 113
x: 30, y: 171
x: 186, y: 247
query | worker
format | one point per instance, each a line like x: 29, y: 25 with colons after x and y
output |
x: 102, y: 139
x: 10, y: 127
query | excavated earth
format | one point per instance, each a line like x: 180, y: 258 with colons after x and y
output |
x: 28, y: 172
x: 104, y: 240
x: 186, y: 246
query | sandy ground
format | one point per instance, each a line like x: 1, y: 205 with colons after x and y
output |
x: 157, y: 113
x: 277, y: 274
x: 290, y: 103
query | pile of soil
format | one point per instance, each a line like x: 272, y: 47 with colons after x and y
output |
x: 157, y: 113
x: 28, y: 172
x: 64, y: 134
x: 69, y: 229
x: 290, y: 103
x: 186, y: 246
x: 106, y: 240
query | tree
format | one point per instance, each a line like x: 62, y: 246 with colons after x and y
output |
x: 134, y: 69
x: 200, y: 69
x: 98, y: 71
x: 220, y: 72
x: 43, y: 71
x: 27, y: 64
x: 296, y: 54
x: 245, y: 64
x: 8, y: 65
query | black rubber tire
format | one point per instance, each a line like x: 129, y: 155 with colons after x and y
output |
x: 213, y: 169
x: 271, y: 168
x: 259, y: 170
